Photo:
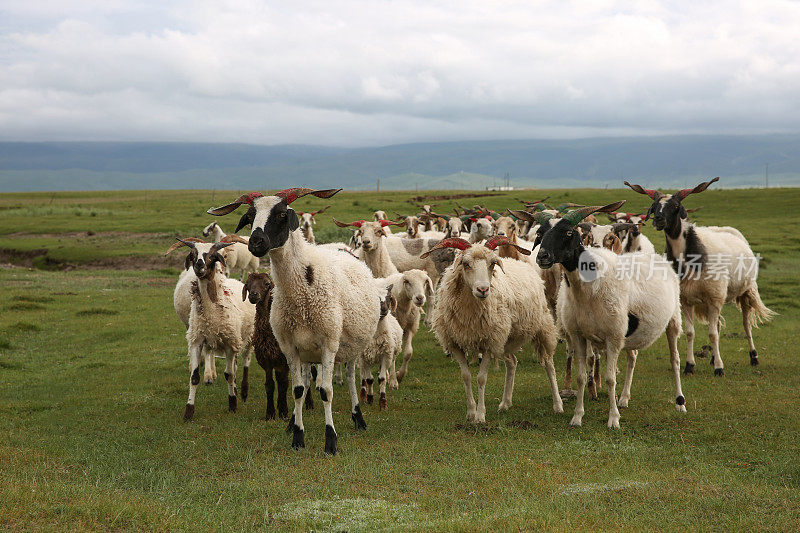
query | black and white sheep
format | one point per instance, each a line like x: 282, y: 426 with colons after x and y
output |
x: 326, y: 305
x: 716, y: 266
x: 600, y: 304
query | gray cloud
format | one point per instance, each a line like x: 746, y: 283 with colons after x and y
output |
x: 355, y: 73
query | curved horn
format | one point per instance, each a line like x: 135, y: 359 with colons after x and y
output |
x: 185, y: 242
x: 243, y: 199
x: 290, y: 195
x: 573, y: 217
x: 219, y: 246
x: 385, y: 223
x: 357, y: 223
x: 494, y: 242
x: 695, y: 209
x: 232, y: 238
x: 452, y: 242
x: 313, y: 213
x: 652, y: 193
x: 683, y: 193
x: 524, y: 215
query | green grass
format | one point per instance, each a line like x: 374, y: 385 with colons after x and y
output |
x: 93, y: 379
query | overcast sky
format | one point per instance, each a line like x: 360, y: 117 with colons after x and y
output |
x: 382, y: 72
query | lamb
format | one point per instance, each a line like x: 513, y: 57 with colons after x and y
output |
x: 237, y: 256
x: 218, y: 320
x: 715, y: 265
x: 307, y: 220
x: 410, y: 290
x: 609, y: 309
x: 258, y: 290
x: 373, y: 249
x: 381, y: 350
x: 492, y: 306
x: 326, y: 305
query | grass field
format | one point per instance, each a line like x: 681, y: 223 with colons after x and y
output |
x: 93, y: 382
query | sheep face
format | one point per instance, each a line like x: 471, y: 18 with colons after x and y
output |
x: 257, y: 288
x: 388, y: 303
x: 208, y: 229
x: 454, y: 227
x: 667, y: 213
x: 560, y: 244
x: 417, y: 286
x: 505, y: 227
x: 371, y: 233
x: 272, y: 221
x: 612, y: 242
x: 481, y: 229
x: 412, y: 226
x: 306, y: 220
x: 203, y: 258
x: 476, y: 267
x: 379, y: 215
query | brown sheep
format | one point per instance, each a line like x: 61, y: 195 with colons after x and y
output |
x: 268, y: 353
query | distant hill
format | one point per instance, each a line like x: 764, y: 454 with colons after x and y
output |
x: 665, y: 161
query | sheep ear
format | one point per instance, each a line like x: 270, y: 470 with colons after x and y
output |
x: 429, y: 285
x: 683, y: 213
x: 499, y: 262
x: 246, y: 219
x: 244, y: 292
x: 294, y: 222
x: 188, y: 262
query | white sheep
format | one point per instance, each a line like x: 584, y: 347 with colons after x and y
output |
x: 373, y: 250
x: 307, y: 220
x: 182, y: 302
x: 481, y: 229
x: 492, y: 306
x: 612, y: 305
x: 716, y: 266
x: 326, y: 305
x: 411, y: 290
x: 219, y: 321
x: 382, y: 350
x: 237, y: 257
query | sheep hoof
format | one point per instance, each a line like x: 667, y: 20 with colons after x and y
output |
x: 370, y: 398
x: 298, y: 438
x: 270, y: 415
x: 689, y: 368
x: 623, y: 403
x: 188, y: 413
x: 613, y: 423
x: 358, y: 418
x: 719, y: 372
x: 568, y: 393
x: 382, y: 403
x: 753, y: 358
x: 362, y: 398
x: 232, y: 404
x: 576, y: 421
x: 309, y: 402
x: 558, y: 407
x: 330, y: 440
x: 504, y: 406
x: 209, y: 382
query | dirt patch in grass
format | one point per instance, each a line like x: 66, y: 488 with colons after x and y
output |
x: 26, y: 326
x: 39, y: 259
x: 32, y: 298
x: 96, y: 311
x: 25, y: 306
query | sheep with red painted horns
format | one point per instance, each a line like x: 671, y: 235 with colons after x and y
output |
x: 219, y: 321
x: 491, y: 306
x: 325, y: 306
x: 716, y: 266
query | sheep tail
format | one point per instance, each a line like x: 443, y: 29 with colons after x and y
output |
x: 751, y: 300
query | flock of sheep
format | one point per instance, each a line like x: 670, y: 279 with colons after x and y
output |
x: 490, y: 282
